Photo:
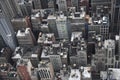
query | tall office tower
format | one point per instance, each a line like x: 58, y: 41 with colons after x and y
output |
x: 77, y: 20
x: 109, y: 45
x: 45, y: 71
x: 104, y: 31
x: 76, y: 4
x: 86, y: 4
x: 36, y: 20
x: 98, y: 60
x: 51, y: 4
x: 115, y: 16
x: 2, y: 43
x: 20, y: 23
x: 35, y: 57
x: 34, y: 60
x: 7, y: 31
x: 26, y: 37
x: 62, y: 5
x: 36, y: 4
x: 101, y: 25
x: 52, y: 25
x: 101, y: 6
x: 44, y: 4
x: 119, y: 47
x: 62, y: 29
x: 10, y: 8
x: 82, y: 54
x: 69, y: 4
x: 25, y: 7
x: 55, y: 59
x: 90, y: 51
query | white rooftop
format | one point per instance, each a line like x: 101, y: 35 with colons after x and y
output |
x: 115, y: 73
x: 76, y: 35
x: 20, y: 33
x: 75, y: 74
x: 34, y: 55
x: 87, y: 73
x: 17, y: 56
x: 61, y: 18
x: 51, y: 17
x: 43, y: 54
x: 109, y: 43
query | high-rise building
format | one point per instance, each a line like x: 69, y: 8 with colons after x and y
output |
x: 101, y: 25
x: 19, y: 23
x: 52, y: 25
x: 61, y: 23
x: 62, y: 5
x: 101, y: 6
x: 55, y: 59
x: 25, y: 7
x: 44, y: 4
x: 2, y: 43
x: 77, y: 20
x: 115, y: 16
x: 36, y: 4
x: 10, y: 8
x: 6, y: 30
x: 26, y: 37
x: 45, y: 70
x: 98, y: 60
x: 110, y: 53
x: 82, y: 54
x: 76, y: 4
x: 51, y: 4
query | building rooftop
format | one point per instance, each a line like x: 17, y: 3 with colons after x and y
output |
x: 99, y: 20
x: 87, y: 73
x: 78, y: 15
x: 51, y: 17
x: 76, y: 35
x: 75, y: 74
x: 47, y: 38
x: 61, y: 17
x: 44, y: 63
x: 114, y: 74
x: 109, y: 43
x: 22, y: 33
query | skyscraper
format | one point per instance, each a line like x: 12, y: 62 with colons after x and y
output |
x: 101, y: 6
x: 2, y: 43
x: 61, y: 23
x: 115, y: 16
x: 62, y: 5
x: 7, y: 31
x: 26, y: 37
x: 52, y: 25
x: 9, y: 7
x: 25, y: 7
x: 36, y: 4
